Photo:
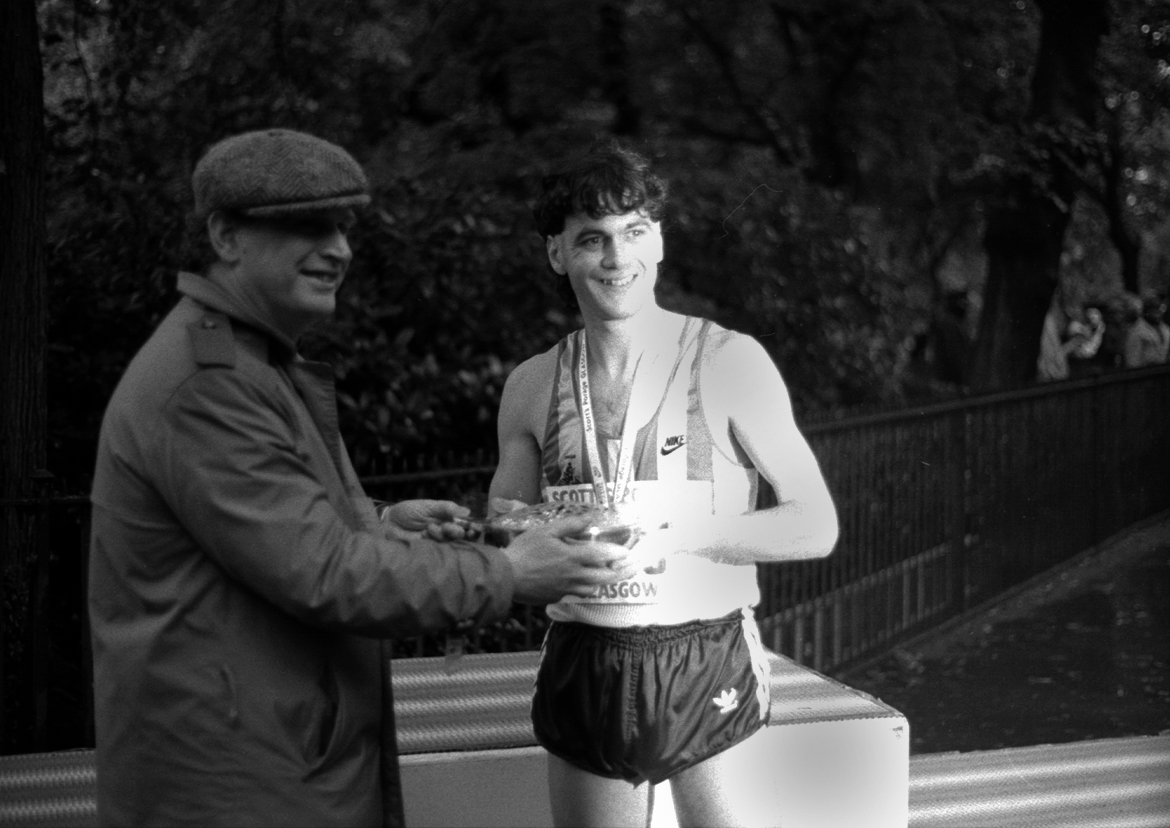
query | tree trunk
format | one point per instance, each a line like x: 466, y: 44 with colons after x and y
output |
x: 1124, y: 238
x: 1026, y: 221
x: 1023, y: 243
x: 22, y: 347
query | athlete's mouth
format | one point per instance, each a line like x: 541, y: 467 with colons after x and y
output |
x: 618, y: 282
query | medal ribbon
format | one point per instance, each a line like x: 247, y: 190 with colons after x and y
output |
x: 624, y: 473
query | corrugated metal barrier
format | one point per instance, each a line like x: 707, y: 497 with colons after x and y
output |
x: 1109, y: 783
x: 1105, y: 783
x: 1118, y: 783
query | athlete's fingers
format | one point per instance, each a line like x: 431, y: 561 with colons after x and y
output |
x: 503, y: 505
x: 654, y: 546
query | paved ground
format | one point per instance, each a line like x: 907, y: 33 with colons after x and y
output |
x: 1083, y: 655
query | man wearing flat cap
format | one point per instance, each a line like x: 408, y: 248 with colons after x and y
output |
x: 240, y: 580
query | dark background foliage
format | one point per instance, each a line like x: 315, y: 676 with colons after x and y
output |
x: 833, y: 164
x: 846, y: 172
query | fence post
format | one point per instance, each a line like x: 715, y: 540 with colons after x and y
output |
x: 42, y: 482
x: 1099, y: 463
x: 957, y: 503
x: 86, y: 640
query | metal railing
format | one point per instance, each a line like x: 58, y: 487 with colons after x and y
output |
x: 946, y: 506
x: 941, y: 508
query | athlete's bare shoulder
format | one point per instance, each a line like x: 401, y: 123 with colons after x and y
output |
x: 529, y: 382
x: 533, y: 374
x: 731, y: 350
x: 738, y: 378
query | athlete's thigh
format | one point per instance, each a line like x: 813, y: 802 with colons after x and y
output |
x: 734, y: 787
x: 581, y: 799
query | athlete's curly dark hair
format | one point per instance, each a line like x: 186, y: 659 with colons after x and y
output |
x: 609, y: 179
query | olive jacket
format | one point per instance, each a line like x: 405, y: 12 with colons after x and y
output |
x: 240, y: 583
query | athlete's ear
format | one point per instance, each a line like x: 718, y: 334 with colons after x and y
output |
x: 556, y: 255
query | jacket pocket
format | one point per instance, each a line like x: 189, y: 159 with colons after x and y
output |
x: 321, y: 728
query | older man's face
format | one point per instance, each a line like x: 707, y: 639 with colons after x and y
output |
x: 291, y: 268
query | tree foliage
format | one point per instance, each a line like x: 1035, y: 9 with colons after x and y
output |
x: 826, y: 157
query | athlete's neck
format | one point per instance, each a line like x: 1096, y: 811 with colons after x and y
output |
x: 615, y: 346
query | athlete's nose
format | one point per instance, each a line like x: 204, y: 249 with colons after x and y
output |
x: 617, y: 253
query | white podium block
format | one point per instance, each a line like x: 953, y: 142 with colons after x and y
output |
x: 831, y: 757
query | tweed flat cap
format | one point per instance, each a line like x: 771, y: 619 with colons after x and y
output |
x: 277, y: 172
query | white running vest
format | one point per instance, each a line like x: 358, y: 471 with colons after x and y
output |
x: 678, y: 470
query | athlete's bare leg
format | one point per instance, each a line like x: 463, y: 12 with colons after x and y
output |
x: 583, y: 800
x: 732, y: 788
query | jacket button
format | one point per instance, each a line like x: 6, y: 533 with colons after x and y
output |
x: 209, y: 323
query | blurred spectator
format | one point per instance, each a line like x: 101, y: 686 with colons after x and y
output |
x: 1052, y: 364
x: 1085, y: 335
x: 1148, y: 340
x: 1121, y: 311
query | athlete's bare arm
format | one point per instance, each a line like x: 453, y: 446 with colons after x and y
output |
x: 744, y: 395
x: 520, y: 420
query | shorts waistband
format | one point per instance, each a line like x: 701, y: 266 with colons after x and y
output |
x: 651, y: 635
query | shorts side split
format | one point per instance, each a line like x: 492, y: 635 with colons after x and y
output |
x: 644, y: 703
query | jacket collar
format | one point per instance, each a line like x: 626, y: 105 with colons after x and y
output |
x: 312, y: 380
x: 206, y: 292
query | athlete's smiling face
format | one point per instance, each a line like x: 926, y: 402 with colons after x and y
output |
x: 611, y: 261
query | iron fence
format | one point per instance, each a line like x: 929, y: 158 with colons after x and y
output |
x: 940, y: 507
x: 947, y: 506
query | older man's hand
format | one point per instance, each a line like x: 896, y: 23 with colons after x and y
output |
x: 441, y: 520
x: 549, y: 562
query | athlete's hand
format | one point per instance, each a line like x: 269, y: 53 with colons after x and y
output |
x: 654, y: 549
x: 502, y: 505
x: 438, y: 519
x: 549, y: 564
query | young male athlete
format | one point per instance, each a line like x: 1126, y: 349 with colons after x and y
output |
x: 662, y: 677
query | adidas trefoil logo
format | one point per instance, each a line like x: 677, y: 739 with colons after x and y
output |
x: 726, y: 701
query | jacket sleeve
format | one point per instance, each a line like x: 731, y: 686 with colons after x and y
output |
x: 238, y: 477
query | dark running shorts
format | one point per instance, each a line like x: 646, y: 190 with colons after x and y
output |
x: 647, y: 702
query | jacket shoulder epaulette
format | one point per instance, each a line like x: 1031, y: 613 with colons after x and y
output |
x: 212, y: 341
